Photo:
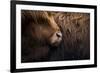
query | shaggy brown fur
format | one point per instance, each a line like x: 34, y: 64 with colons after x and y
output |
x: 75, y: 28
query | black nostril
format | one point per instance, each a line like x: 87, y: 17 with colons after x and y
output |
x: 59, y: 34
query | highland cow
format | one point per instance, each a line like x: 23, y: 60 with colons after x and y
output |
x: 54, y: 36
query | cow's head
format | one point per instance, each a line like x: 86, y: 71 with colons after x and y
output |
x: 41, y: 25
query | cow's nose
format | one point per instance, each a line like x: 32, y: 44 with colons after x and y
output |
x: 59, y: 34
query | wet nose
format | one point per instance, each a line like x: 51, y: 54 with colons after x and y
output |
x: 59, y: 34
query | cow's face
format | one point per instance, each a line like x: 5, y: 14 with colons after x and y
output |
x: 43, y: 27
